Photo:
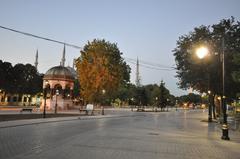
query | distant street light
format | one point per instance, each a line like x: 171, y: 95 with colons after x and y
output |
x: 45, y: 98
x: 132, y: 100
x: 176, y: 104
x: 29, y: 100
x: 57, y: 93
x: 156, y: 98
x: 102, y: 109
x: 103, y: 91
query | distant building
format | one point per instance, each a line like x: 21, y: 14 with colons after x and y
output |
x: 59, y: 83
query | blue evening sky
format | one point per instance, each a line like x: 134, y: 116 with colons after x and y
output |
x: 147, y: 29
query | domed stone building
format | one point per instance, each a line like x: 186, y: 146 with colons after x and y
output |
x: 58, y: 83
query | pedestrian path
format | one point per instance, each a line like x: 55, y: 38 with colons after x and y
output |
x: 166, y: 135
x: 15, y: 123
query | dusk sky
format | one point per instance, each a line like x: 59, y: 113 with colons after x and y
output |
x: 147, y: 29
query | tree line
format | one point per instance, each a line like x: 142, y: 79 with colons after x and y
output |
x: 103, y: 78
x: 20, y: 79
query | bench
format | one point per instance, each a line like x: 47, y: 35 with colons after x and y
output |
x: 26, y: 109
x: 89, y: 108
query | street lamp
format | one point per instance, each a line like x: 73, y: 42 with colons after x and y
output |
x: 132, y: 100
x: 28, y: 100
x: 202, y: 52
x: 176, y: 104
x: 45, y: 97
x: 156, y: 104
x: 57, y: 93
x: 209, y: 107
x: 225, y: 124
x: 167, y: 103
x: 103, y: 92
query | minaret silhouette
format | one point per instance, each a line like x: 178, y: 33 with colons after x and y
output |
x: 137, y: 75
x: 36, y: 60
x: 62, y: 63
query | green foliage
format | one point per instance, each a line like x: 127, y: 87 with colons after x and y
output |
x: 190, y: 98
x: 163, y: 96
x: 150, y: 95
x: 206, y: 74
x: 76, y: 89
x: 236, y: 72
x: 21, y: 79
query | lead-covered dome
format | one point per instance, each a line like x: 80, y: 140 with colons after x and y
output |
x: 73, y: 71
x: 59, y: 72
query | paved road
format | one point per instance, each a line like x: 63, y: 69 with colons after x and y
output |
x: 135, y: 135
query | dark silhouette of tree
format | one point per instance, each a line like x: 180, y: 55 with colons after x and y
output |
x: 163, y: 96
x: 206, y: 74
x: 20, y: 79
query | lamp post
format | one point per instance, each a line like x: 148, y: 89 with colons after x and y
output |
x: 167, y: 103
x: 132, y: 100
x: 202, y: 52
x: 103, y: 92
x: 225, y: 124
x: 29, y: 100
x: 176, y: 104
x: 45, y: 98
x: 209, y: 107
x: 156, y: 104
x: 55, y: 110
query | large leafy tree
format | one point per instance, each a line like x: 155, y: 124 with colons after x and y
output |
x: 190, y: 98
x: 236, y: 72
x: 152, y: 91
x: 163, y: 96
x: 101, y: 67
x: 27, y: 80
x: 205, y: 74
x: 21, y: 79
x: 6, y: 77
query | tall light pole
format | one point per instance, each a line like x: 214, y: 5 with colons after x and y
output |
x: 176, y: 104
x: 202, y: 52
x: 45, y: 98
x: 156, y: 104
x: 225, y: 124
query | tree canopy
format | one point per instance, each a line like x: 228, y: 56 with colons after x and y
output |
x: 22, y: 79
x: 206, y: 74
x: 101, y: 70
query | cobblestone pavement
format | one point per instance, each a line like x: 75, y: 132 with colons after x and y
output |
x: 179, y: 135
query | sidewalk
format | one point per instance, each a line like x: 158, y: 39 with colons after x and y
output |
x: 15, y: 123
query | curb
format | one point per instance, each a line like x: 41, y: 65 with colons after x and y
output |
x: 11, y: 124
